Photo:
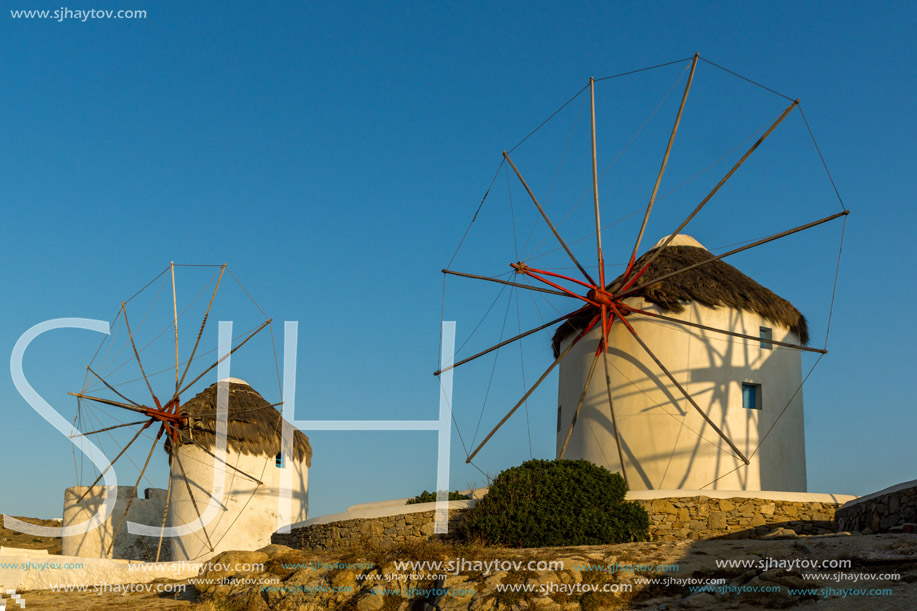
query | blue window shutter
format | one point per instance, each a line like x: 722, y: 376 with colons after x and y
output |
x: 750, y: 396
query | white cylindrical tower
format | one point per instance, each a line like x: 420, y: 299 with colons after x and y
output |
x: 247, y: 512
x: 749, y: 389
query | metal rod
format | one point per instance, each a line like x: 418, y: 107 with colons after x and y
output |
x: 108, y: 428
x: 724, y: 332
x: 776, y: 236
x: 115, y: 460
x: 715, y: 189
x: 184, y: 478
x: 595, y: 190
x: 201, y: 332
x: 506, y: 282
x: 137, y: 354
x: 175, y: 318
x: 509, y: 341
x: 133, y: 495
x: 206, y: 371
x: 684, y: 392
x: 110, y: 387
x: 665, y: 160
x: 530, y: 391
x: 547, y: 220
x: 579, y: 406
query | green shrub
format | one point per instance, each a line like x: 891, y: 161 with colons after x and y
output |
x: 430, y: 497
x: 544, y: 503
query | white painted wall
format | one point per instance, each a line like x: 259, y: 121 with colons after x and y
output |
x: 248, y: 513
x: 146, y: 509
x: 667, y: 444
x: 83, y: 571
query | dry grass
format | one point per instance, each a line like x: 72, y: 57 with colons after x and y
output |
x: 11, y: 538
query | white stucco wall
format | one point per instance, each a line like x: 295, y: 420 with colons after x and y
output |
x: 146, y: 509
x: 667, y: 444
x: 247, y: 515
x: 49, y: 571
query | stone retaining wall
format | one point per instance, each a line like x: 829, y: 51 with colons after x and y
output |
x: 671, y: 519
x: 891, y: 510
x: 701, y: 517
x: 360, y: 532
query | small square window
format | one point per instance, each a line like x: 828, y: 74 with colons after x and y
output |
x: 751, y: 396
x: 278, y: 460
x: 766, y: 333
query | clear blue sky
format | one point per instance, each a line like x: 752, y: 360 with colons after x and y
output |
x: 333, y: 153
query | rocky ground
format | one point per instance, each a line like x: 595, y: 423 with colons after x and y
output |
x: 882, y: 575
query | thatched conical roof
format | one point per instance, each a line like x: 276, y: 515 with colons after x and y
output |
x: 712, y: 285
x: 253, y: 427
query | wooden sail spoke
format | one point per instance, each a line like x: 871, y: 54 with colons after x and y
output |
x: 121, y: 453
x: 755, y: 338
x: 579, y: 405
x: 108, y: 428
x: 203, y: 449
x: 175, y: 319
x: 532, y: 389
x: 754, y: 244
x: 141, y: 410
x: 611, y: 406
x: 137, y: 354
x: 528, y: 272
x: 687, y: 396
x: 133, y: 495
x: 547, y: 220
x: 165, y: 516
x: 110, y: 387
x: 506, y: 342
x: 220, y: 360
x: 200, y: 333
x: 665, y: 161
x: 506, y: 282
x: 184, y: 478
x: 595, y: 191
x: 710, y: 195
